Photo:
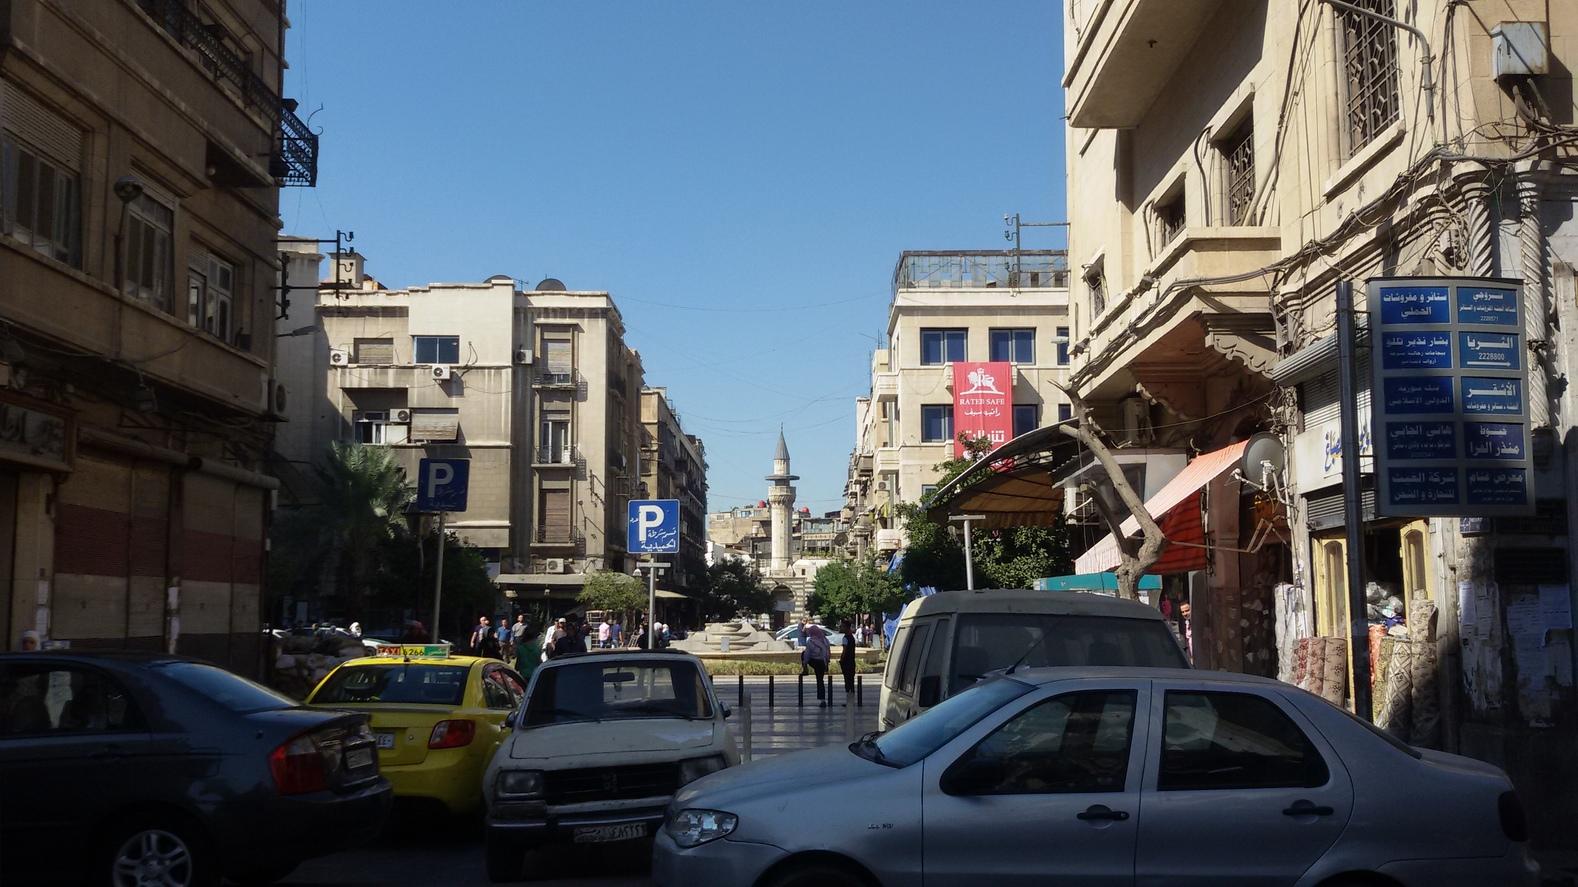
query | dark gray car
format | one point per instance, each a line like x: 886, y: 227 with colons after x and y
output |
x: 127, y: 768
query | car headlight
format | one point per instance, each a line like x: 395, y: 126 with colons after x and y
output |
x: 691, y: 828
x: 695, y: 768
x: 520, y: 783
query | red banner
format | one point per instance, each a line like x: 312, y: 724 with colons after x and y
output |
x: 983, y: 402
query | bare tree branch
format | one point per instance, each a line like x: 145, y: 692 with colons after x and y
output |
x: 1135, y: 558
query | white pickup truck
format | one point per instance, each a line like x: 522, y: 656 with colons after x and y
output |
x: 597, y: 751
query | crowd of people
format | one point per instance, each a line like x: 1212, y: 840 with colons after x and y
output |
x: 524, y: 645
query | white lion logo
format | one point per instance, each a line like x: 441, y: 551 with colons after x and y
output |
x: 982, y: 382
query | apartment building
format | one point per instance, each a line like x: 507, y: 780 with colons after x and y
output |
x: 1005, y: 312
x: 674, y: 466
x: 1228, y: 164
x: 144, y: 143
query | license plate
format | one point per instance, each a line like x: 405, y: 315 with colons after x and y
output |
x: 385, y: 740
x: 598, y: 834
x: 358, y: 758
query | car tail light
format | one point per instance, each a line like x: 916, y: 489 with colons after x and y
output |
x: 452, y: 734
x: 298, y: 767
x: 1514, y: 824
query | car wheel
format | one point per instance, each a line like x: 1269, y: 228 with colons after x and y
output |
x: 815, y: 874
x: 506, y: 860
x: 163, y: 851
x: 259, y: 875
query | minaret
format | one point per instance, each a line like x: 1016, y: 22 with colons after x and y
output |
x: 780, y: 498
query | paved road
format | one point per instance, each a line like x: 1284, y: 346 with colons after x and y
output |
x: 416, y: 852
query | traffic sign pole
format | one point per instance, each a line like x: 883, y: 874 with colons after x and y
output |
x: 438, y: 580
x: 1353, y: 502
x: 652, y: 606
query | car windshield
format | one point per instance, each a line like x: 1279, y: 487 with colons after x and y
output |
x: 226, y: 688
x: 600, y: 691
x: 937, y: 726
x: 395, y: 682
x: 986, y: 642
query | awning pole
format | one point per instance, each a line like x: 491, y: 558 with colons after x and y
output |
x: 969, y: 559
x: 1353, y: 502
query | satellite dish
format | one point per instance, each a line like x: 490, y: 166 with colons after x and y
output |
x: 551, y: 285
x: 1264, y: 447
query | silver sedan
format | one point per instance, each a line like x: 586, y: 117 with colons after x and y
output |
x: 1106, y: 777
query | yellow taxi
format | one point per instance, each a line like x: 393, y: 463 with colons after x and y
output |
x: 437, y: 717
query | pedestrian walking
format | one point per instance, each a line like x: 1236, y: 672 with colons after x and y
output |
x: 573, y: 640
x: 615, y: 633
x: 805, y: 666
x: 520, y: 633
x: 488, y: 646
x: 605, y: 635
x: 846, y: 659
x: 817, y: 654
x: 482, y: 630
x: 528, y: 652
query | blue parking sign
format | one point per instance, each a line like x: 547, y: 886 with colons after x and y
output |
x: 653, y: 526
x: 441, y: 484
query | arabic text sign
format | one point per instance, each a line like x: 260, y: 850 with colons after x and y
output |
x: 983, y: 402
x: 1447, y: 361
x: 1414, y: 304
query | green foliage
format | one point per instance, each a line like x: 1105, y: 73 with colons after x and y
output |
x: 1012, y: 558
x: 734, y: 588
x: 608, y: 590
x: 848, y: 589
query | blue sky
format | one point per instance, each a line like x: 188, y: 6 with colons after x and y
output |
x: 741, y: 176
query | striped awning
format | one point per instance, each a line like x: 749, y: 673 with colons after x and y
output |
x: 1176, y: 509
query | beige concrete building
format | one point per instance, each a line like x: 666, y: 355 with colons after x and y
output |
x: 949, y: 307
x: 144, y: 145
x: 674, y: 466
x: 1228, y: 163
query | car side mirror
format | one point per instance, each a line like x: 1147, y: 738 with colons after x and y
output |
x: 973, y: 776
x: 512, y: 718
x: 726, y: 709
x: 930, y: 692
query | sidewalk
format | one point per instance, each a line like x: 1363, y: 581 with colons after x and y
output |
x: 785, y: 726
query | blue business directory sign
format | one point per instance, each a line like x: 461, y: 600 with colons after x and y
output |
x: 1447, y: 363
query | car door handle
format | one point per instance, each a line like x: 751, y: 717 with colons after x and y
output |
x: 1305, y: 808
x: 1098, y: 812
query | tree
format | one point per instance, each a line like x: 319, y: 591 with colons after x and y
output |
x: 362, y: 497
x: 615, y: 592
x: 1008, y: 558
x: 734, y: 588
x: 849, y: 589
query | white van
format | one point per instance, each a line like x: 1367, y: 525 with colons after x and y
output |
x: 946, y: 641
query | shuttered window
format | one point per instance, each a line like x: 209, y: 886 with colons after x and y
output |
x: 553, y: 524
x: 379, y: 352
x: 435, y: 424
x: 40, y: 177
x: 557, y: 355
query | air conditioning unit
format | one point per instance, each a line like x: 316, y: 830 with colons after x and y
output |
x: 338, y: 358
x: 278, y: 398
x: 553, y: 565
x: 440, y: 371
x: 400, y: 417
x: 523, y: 356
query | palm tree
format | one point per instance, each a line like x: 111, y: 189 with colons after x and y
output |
x: 362, y: 499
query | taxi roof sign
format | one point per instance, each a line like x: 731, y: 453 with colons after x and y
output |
x: 414, y: 651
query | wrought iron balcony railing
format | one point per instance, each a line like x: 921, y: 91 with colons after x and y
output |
x: 294, y: 158
x: 564, y: 379
x: 565, y: 456
x: 548, y: 535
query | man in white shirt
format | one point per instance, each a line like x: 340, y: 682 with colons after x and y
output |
x: 604, y: 634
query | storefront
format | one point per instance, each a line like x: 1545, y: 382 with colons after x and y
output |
x: 36, y: 447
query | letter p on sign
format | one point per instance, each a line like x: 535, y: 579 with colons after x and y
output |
x: 648, y: 518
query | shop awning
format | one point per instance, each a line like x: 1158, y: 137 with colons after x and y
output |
x: 1095, y: 582
x: 1176, y: 509
x: 1015, y: 489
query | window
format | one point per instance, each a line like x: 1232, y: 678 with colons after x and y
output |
x: 895, y: 654
x: 42, y: 205
x: 395, y: 683
x: 1075, y: 743
x: 936, y: 423
x: 1065, y: 412
x: 210, y: 286
x: 1169, y: 216
x: 1369, y: 61
x: 937, y: 726
x: 1062, y: 346
x: 496, y: 690
x: 435, y: 349
x: 927, y: 490
x: 56, y: 699
x: 1014, y: 346
x: 379, y: 352
x: 942, y: 346
x: 1027, y: 416
x: 912, y: 657
x: 371, y: 426
x: 985, y: 642
x: 553, y: 516
x: 599, y: 691
x: 1238, y: 164
x: 1096, y: 287
x: 226, y: 688
x: 1216, y: 741
x: 149, y: 255
x: 553, y: 436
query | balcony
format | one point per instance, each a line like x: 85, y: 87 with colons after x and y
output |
x: 981, y: 269
x: 1128, y: 51
x: 546, y: 379
x: 293, y: 161
x: 555, y: 457
x: 549, y: 535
